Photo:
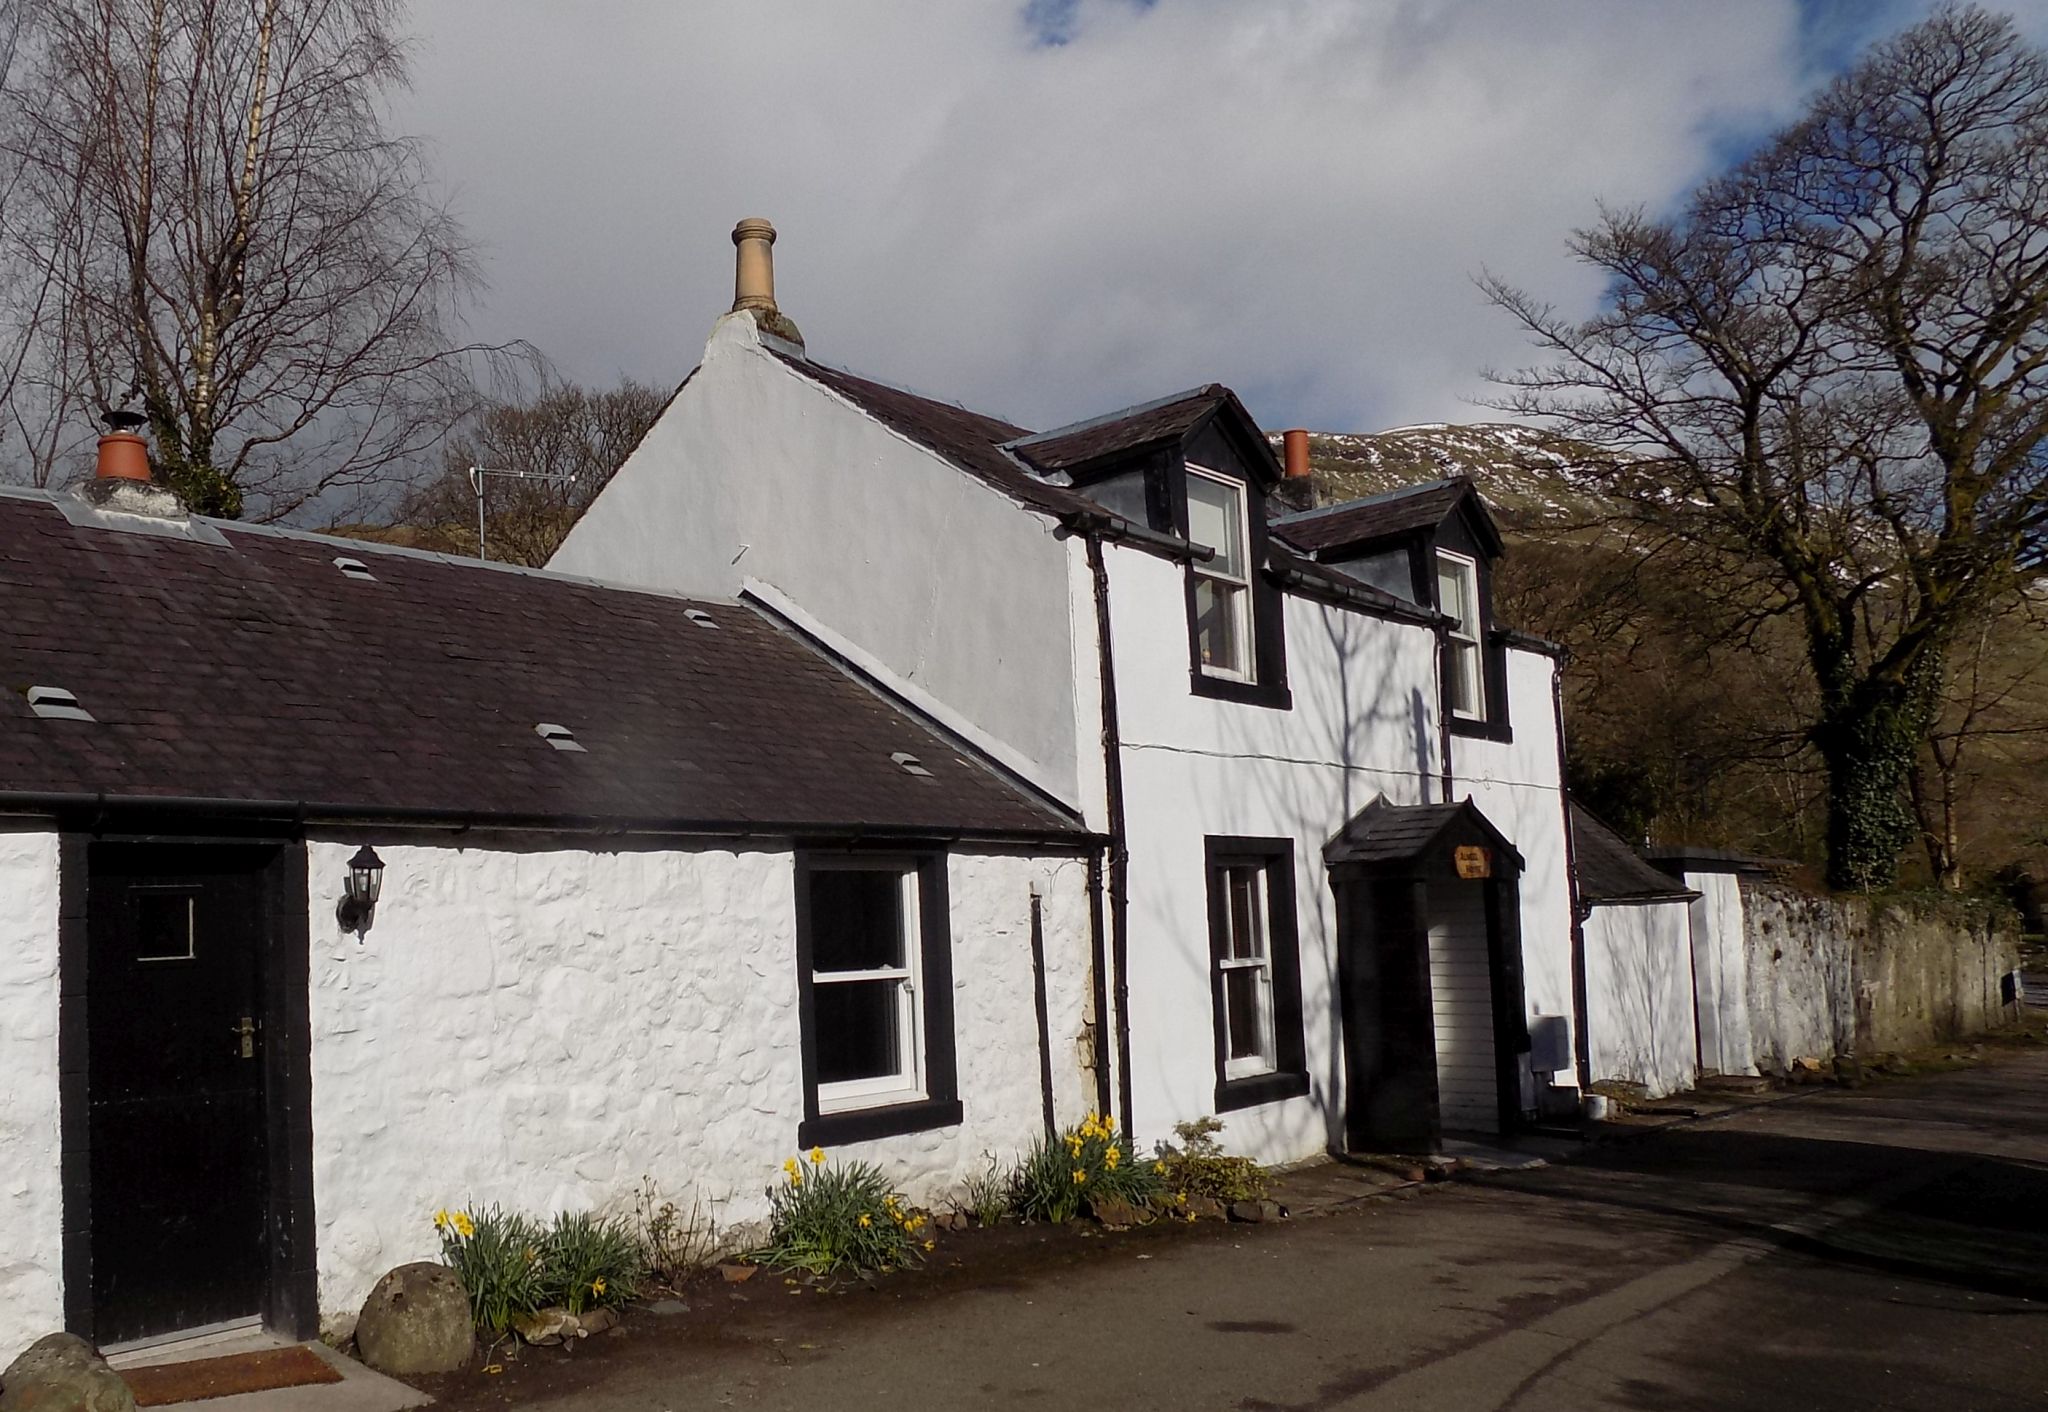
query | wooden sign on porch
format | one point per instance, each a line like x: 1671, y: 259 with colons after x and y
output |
x: 1472, y: 861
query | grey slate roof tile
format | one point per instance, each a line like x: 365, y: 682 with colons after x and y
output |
x: 260, y: 672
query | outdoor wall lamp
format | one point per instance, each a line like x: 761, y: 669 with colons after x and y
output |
x: 358, y: 903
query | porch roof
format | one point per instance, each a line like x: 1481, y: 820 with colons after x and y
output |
x: 1385, y: 833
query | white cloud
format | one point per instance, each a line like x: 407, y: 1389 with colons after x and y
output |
x: 1290, y: 196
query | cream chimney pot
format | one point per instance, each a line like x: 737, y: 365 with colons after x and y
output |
x: 754, y: 265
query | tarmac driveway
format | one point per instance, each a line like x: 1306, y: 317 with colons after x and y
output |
x: 1878, y: 1248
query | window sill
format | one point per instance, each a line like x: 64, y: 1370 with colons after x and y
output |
x: 868, y: 1124
x: 1250, y: 693
x: 1481, y: 730
x: 1233, y: 1094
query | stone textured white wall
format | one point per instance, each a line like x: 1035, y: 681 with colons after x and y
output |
x: 540, y: 1029
x: 1639, y: 996
x: 1516, y: 785
x: 756, y: 472
x: 1362, y: 724
x: 31, y: 1193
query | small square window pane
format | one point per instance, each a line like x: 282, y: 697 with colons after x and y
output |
x: 1216, y: 521
x: 1217, y: 625
x: 856, y: 919
x: 1464, y: 678
x: 859, y: 1026
x: 1242, y: 1008
x: 1455, y: 591
x: 164, y: 926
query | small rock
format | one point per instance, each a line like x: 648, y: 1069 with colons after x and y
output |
x: 1114, y: 1212
x: 63, y: 1373
x: 1256, y: 1212
x: 738, y: 1274
x: 416, y: 1320
x: 596, y: 1321
x: 668, y: 1308
x: 546, y: 1327
x: 1411, y: 1174
x: 1206, y: 1208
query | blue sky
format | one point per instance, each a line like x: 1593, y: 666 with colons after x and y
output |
x: 1052, y: 208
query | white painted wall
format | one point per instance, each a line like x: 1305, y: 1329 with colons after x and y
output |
x: 1362, y: 724
x: 1516, y: 785
x: 31, y: 1191
x: 1721, y: 971
x: 541, y: 1029
x: 1639, y: 1001
x: 757, y: 473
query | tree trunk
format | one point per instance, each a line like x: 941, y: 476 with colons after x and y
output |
x: 1870, y: 744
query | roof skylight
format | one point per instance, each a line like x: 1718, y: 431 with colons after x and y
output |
x: 56, y: 704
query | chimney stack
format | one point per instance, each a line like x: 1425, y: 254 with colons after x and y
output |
x: 1295, y: 442
x: 124, y: 455
x: 753, y: 283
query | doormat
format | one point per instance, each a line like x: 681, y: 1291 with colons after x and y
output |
x: 202, y: 1378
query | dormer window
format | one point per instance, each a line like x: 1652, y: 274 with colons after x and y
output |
x: 1457, y: 598
x: 1222, y: 599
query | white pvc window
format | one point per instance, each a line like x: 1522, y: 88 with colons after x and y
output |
x: 865, y: 962
x: 1247, y: 967
x: 1457, y: 597
x: 1223, y: 598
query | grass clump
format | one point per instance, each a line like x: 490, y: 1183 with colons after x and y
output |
x: 676, y: 1243
x: 986, y: 1197
x: 1199, y: 1166
x: 1089, y: 1160
x: 827, y: 1218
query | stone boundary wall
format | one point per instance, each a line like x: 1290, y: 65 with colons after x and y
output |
x: 1832, y: 976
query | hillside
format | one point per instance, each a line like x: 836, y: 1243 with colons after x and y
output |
x: 1526, y: 474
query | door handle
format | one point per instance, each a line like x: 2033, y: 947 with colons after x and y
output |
x: 247, y: 1031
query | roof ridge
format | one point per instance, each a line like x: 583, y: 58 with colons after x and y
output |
x: 1378, y: 497
x: 1207, y: 389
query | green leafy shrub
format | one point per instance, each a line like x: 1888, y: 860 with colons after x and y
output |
x: 497, y: 1256
x: 590, y: 1262
x: 1200, y: 1167
x: 824, y: 1218
x: 1089, y: 1159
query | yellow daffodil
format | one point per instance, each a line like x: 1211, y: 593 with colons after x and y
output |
x: 817, y: 1157
x: 464, y: 1227
x: 441, y: 1220
x: 597, y: 1285
x: 1080, y: 1177
x: 789, y: 1166
x: 865, y: 1220
x: 1113, y: 1156
x: 929, y: 1244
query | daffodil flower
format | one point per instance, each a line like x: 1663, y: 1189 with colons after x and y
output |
x: 464, y: 1227
x: 1080, y: 1177
x: 597, y: 1285
x: 865, y: 1220
x: 817, y: 1157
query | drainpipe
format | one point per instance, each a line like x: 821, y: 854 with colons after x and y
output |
x: 1582, y: 1044
x: 1119, y: 852
x: 1443, y: 708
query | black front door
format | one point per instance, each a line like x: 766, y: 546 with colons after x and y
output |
x: 176, y: 1086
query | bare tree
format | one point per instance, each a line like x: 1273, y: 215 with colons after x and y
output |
x: 563, y: 431
x: 203, y: 210
x: 1820, y: 388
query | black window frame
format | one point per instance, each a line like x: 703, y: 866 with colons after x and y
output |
x: 1494, y: 724
x: 940, y: 1107
x: 1289, y: 1076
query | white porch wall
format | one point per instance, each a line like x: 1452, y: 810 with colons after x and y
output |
x: 1721, y: 967
x: 539, y: 1029
x: 1639, y: 999
x: 1516, y: 785
x: 31, y: 1188
x: 755, y: 472
x: 1362, y: 724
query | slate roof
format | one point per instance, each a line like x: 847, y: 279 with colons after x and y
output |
x: 1151, y: 423
x: 1610, y: 871
x: 970, y: 440
x: 1283, y: 560
x: 1383, y: 832
x: 254, y: 669
x: 1335, y: 528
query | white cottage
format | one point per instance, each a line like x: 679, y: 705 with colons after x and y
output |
x: 346, y: 882
x: 1336, y: 904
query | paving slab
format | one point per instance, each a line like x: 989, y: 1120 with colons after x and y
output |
x: 360, y: 1390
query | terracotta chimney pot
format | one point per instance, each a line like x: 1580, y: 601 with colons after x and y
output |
x: 1294, y: 441
x: 123, y: 456
x: 754, y: 266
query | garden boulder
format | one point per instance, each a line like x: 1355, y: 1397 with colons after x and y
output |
x: 63, y: 1373
x: 416, y: 1320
